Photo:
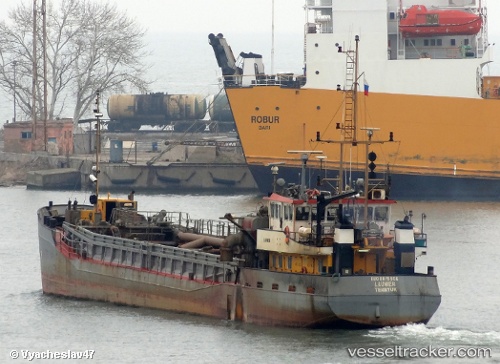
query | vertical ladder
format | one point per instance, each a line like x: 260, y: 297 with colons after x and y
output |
x: 350, y: 94
x: 482, y: 36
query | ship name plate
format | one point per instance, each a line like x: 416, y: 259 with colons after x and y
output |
x: 385, y: 284
x: 257, y: 119
x: 264, y: 119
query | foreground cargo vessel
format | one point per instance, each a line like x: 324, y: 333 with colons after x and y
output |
x: 423, y: 77
x: 305, y: 259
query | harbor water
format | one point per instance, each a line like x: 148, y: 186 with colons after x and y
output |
x: 463, y: 248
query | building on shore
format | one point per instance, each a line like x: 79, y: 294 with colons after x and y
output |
x: 55, y: 137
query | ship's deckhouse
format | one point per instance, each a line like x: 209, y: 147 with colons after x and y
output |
x: 292, y: 224
x: 292, y: 243
x: 400, y: 36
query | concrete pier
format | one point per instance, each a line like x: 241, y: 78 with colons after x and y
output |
x: 61, y: 178
x: 144, y: 165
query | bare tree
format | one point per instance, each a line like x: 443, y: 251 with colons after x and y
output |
x: 90, y: 46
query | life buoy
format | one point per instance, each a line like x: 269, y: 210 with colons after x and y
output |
x: 287, y: 234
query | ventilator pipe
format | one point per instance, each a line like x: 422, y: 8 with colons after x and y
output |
x: 232, y: 240
x: 209, y: 240
x: 194, y: 244
x: 230, y: 218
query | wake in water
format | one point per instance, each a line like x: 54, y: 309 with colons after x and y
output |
x: 419, y: 334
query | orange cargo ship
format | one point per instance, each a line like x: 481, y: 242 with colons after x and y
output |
x: 431, y: 92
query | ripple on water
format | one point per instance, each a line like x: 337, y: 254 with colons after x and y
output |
x: 420, y: 334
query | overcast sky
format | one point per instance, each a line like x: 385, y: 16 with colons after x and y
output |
x: 234, y: 15
x: 202, y: 15
x: 231, y: 17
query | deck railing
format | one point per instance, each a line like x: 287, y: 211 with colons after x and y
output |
x: 157, y: 258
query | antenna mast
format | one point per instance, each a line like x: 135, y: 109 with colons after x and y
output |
x: 272, y: 41
x: 98, y: 116
x: 44, y: 55
x: 349, y: 126
x: 34, y: 78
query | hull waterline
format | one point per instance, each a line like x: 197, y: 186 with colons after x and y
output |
x: 404, y: 186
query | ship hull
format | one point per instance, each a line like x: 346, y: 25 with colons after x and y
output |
x: 112, y: 273
x: 403, y: 186
x: 437, y: 140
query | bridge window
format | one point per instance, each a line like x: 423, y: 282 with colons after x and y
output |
x: 275, y: 210
x: 331, y: 212
x: 381, y: 213
x: 313, y: 214
x: 410, y: 42
x: 302, y: 213
x: 321, y: 268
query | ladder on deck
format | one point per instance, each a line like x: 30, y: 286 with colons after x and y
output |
x: 349, y: 126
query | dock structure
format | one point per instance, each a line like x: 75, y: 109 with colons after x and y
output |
x: 143, y: 163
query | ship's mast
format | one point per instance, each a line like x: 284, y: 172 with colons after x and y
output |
x: 44, y: 60
x: 98, y: 116
x: 35, y: 77
x: 349, y: 126
x: 304, y: 157
x: 272, y: 40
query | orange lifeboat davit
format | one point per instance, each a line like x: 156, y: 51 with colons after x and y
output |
x: 418, y: 21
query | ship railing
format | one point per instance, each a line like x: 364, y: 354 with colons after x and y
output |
x: 372, y: 232
x: 219, y: 228
x: 319, y: 4
x: 283, y: 80
x: 327, y: 228
x: 175, y: 218
x: 438, y: 53
x: 162, y: 259
x: 327, y: 232
x: 181, y: 220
